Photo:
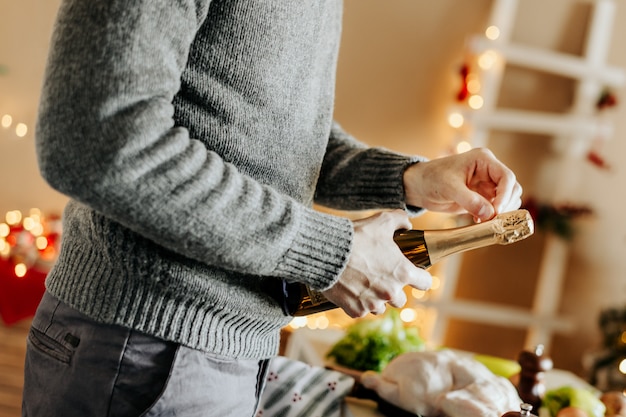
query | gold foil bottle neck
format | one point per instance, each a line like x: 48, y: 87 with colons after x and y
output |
x: 514, y: 226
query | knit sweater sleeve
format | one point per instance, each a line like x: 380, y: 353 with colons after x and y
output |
x: 355, y: 176
x: 106, y: 137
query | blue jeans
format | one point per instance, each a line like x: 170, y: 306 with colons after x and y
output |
x: 77, y: 367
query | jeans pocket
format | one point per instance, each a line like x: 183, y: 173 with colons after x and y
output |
x: 49, y: 346
x: 143, y: 374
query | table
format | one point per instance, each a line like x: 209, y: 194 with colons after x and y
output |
x: 310, y: 346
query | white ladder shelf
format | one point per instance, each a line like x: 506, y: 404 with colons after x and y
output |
x: 572, y: 133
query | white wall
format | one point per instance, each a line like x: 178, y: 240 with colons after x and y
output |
x: 25, y: 28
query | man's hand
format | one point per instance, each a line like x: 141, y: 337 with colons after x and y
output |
x: 473, y: 181
x: 377, y: 271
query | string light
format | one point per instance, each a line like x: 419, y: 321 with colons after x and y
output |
x: 298, y: 322
x: 320, y: 322
x: 492, y: 33
x: 37, y: 229
x: 469, y: 93
x: 476, y: 102
x: 21, y: 130
x: 473, y: 84
x: 487, y: 59
x: 29, y: 242
x: 20, y: 270
x: 456, y: 120
x: 408, y: 315
x: 13, y: 217
x: 6, y: 121
x: 463, y: 146
x: 41, y: 242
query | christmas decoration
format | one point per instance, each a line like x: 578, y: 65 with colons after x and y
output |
x: 463, y: 92
x: 608, y: 370
x: 28, y: 248
x: 555, y: 218
x: 607, y: 99
x: 598, y: 160
x: 19, y: 296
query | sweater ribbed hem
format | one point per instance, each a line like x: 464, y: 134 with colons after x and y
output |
x: 237, y: 322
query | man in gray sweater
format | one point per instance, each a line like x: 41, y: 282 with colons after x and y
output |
x: 193, y: 138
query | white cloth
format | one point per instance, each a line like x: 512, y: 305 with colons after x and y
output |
x: 296, y: 389
x: 443, y: 383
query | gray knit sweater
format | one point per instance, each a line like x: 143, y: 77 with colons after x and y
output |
x: 193, y: 138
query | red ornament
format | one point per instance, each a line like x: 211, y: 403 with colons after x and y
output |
x: 607, y: 99
x: 33, y: 247
x: 19, y: 296
x: 463, y: 93
x: 597, y: 160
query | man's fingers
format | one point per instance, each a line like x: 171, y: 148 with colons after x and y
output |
x: 399, y: 300
x: 379, y: 309
x: 512, y: 202
x: 419, y: 278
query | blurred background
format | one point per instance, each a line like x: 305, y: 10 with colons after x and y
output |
x: 543, y: 90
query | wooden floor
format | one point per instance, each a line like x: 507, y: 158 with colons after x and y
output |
x: 12, y: 350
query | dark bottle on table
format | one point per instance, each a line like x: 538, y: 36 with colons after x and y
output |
x: 525, y: 411
x: 424, y: 248
x: 531, y: 386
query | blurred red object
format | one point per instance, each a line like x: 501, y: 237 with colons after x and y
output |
x: 19, y: 296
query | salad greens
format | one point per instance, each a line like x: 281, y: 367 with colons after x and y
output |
x: 556, y: 399
x: 370, y: 344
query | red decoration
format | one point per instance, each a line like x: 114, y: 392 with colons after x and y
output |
x: 607, y: 99
x: 463, y: 91
x: 596, y: 159
x: 28, y: 248
x: 555, y: 218
x: 19, y: 297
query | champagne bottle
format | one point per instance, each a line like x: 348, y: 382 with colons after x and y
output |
x: 424, y: 248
